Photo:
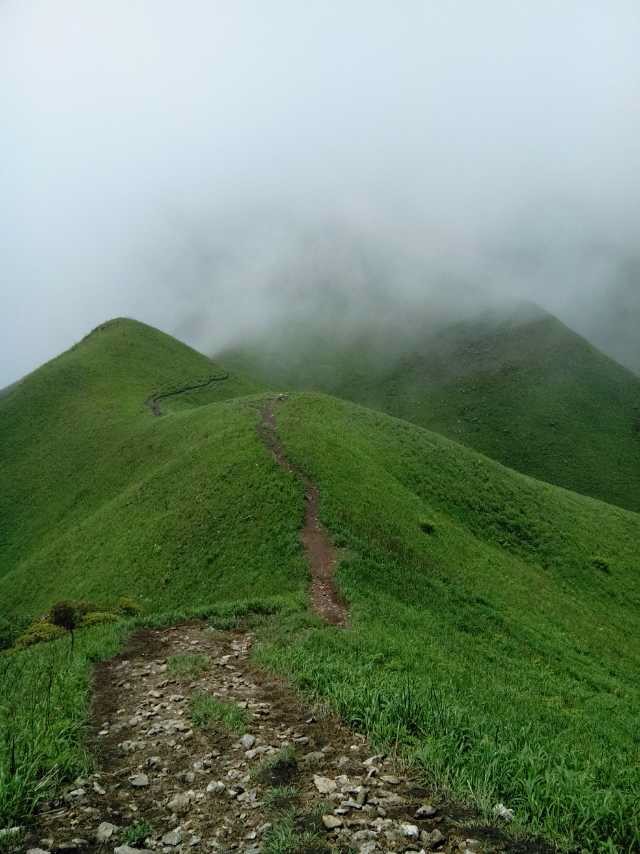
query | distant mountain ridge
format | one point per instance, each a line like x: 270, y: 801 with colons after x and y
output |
x: 517, y: 385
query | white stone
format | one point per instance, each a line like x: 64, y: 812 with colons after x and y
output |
x: 325, y: 785
x: 500, y: 811
x: 105, y: 831
x: 411, y: 831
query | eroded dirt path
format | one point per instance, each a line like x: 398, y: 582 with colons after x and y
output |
x: 319, y: 550
x: 165, y: 783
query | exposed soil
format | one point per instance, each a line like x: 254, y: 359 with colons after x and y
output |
x: 153, y: 402
x: 209, y: 789
x: 319, y: 550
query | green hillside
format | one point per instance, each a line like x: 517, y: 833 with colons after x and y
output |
x: 520, y: 387
x: 81, y: 456
x: 494, y: 619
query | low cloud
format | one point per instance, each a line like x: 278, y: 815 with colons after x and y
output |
x: 210, y: 167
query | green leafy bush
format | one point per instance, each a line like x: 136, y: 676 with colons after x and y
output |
x: 70, y: 613
x: 64, y: 615
x: 39, y: 632
x: 95, y: 618
x: 129, y: 607
x: 602, y: 564
x: 137, y: 832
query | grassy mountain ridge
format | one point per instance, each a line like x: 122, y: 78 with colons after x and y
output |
x: 494, y: 618
x: 67, y: 431
x: 521, y: 388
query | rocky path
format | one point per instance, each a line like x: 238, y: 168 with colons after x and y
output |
x: 319, y: 550
x: 196, y: 750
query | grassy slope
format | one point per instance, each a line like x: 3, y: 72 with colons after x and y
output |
x: 495, y: 644
x: 526, y: 391
x: 523, y: 656
x: 100, y: 498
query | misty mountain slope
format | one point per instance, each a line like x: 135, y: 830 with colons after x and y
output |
x: 505, y: 611
x: 614, y: 323
x: 520, y: 387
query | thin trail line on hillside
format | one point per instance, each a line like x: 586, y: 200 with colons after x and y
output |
x: 320, y: 553
x: 153, y: 402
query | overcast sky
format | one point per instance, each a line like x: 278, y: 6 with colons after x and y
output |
x: 179, y: 161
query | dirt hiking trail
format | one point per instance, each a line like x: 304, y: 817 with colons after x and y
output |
x: 153, y: 402
x: 282, y: 778
x: 320, y: 552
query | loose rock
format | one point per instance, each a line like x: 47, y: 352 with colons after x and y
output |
x: 426, y: 811
x: 500, y: 811
x: 325, y: 785
x: 179, y: 804
x: 172, y: 838
x: 411, y: 831
x: 105, y: 831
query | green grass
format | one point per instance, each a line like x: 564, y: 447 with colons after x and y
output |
x: 208, y: 712
x: 136, y: 834
x: 188, y: 666
x: 44, y: 703
x: 295, y: 833
x: 280, y: 797
x: 495, y: 620
x: 493, y: 645
x: 100, y: 499
x: 43, y: 709
x: 519, y: 386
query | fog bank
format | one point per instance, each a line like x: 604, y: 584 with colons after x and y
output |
x: 209, y: 167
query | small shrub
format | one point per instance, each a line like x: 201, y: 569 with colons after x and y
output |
x: 136, y: 833
x: 129, y: 607
x: 40, y: 632
x: 96, y: 618
x: 83, y: 607
x: 602, y: 564
x: 79, y: 608
x: 65, y: 615
x: 427, y: 527
x: 277, y: 770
